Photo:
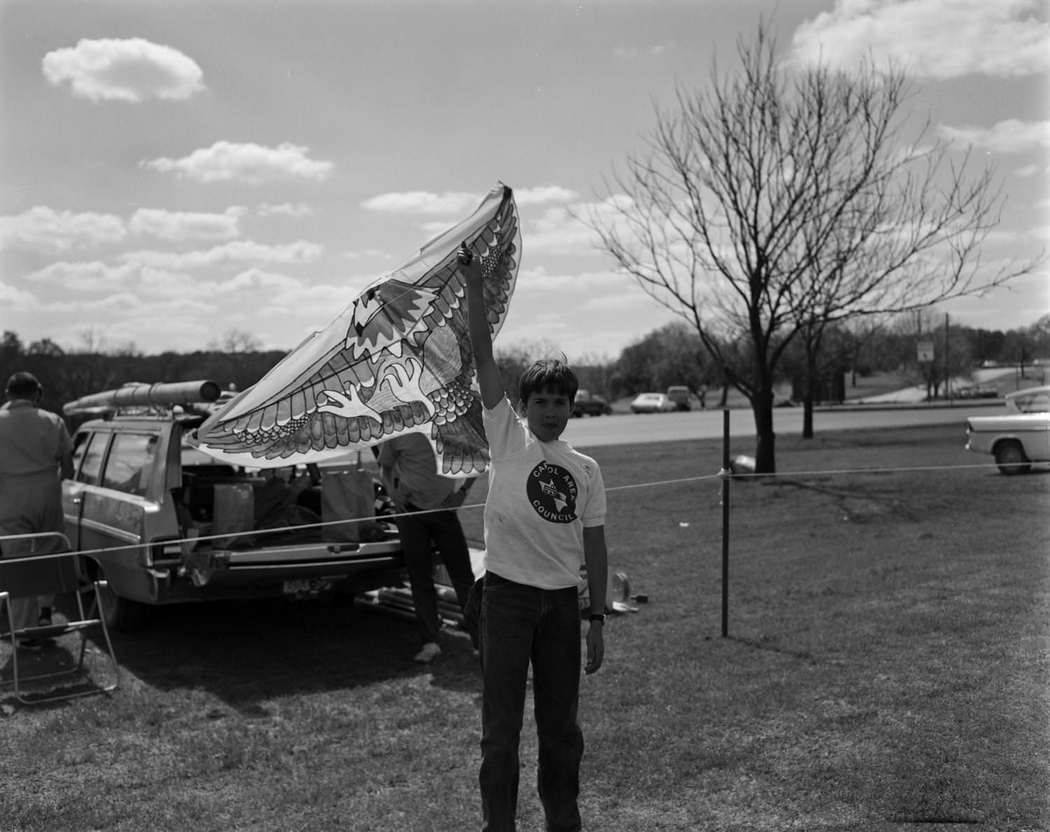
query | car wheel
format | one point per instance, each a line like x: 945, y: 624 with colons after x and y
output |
x: 120, y: 614
x: 1010, y: 458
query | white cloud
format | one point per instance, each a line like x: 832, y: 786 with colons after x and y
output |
x: 540, y: 333
x: 250, y: 163
x: 1028, y: 171
x: 45, y: 230
x: 299, y: 310
x: 157, y: 286
x: 284, y: 209
x: 236, y: 251
x: 435, y: 229
x: 591, y: 284
x: 245, y: 289
x: 114, y: 307
x: 627, y: 299
x: 257, y: 280
x: 1010, y: 136
x: 457, y: 202
x: 12, y: 298
x: 557, y: 231
x: 1003, y: 237
x: 422, y: 202
x: 131, y: 317
x: 542, y: 194
x: 123, y: 70
x: 1022, y: 300
x: 368, y: 252
x: 186, y: 225
x: 640, y: 51
x: 931, y: 38
x: 1040, y: 232
x: 93, y: 276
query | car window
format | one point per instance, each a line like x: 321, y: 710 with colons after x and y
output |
x: 1035, y: 403
x: 80, y: 443
x: 130, y: 462
x: 87, y: 457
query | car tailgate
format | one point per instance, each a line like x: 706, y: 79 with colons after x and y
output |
x: 331, y: 560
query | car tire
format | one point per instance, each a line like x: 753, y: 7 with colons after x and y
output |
x: 1011, y: 459
x: 121, y: 614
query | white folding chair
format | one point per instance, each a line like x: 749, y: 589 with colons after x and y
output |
x: 42, y: 573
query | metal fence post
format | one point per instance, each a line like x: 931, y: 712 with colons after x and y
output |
x: 725, y: 522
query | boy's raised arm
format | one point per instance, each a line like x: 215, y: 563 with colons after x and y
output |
x: 480, y: 339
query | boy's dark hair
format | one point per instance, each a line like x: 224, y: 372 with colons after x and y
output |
x: 552, y: 375
x: 22, y: 385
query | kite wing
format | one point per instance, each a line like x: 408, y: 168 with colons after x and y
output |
x: 398, y: 359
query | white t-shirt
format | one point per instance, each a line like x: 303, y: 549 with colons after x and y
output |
x: 541, y: 496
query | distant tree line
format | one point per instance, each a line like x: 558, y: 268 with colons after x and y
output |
x: 68, y: 375
x: 674, y: 354
x: 670, y: 355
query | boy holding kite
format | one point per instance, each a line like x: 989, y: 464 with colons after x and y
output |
x: 545, y: 513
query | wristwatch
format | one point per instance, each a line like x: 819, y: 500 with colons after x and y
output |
x: 599, y: 617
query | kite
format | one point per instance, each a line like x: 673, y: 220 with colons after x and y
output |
x: 397, y: 360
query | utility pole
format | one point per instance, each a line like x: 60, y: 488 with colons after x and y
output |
x: 947, y: 366
x: 725, y: 522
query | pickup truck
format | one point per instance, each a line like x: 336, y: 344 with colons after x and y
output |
x: 164, y: 523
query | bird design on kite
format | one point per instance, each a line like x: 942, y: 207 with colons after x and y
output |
x: 398, y: 359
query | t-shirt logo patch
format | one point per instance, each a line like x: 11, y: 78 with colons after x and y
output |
x: 552, y: 493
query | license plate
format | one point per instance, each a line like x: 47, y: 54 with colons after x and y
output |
x: 306, y: 586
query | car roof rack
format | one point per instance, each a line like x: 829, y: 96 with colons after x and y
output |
x: 141, y: 398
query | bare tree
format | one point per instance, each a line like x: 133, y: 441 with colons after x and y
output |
x: 779, y: 201
x: 237, y: 341
x: 811, y: 333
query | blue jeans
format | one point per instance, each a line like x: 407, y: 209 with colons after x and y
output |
x: 420, y: 534
x: 520, y: 624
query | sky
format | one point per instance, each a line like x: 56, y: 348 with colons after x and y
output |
x: 176, y: 171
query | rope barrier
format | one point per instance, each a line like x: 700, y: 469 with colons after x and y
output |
x: 722, y: 474
x: 661, y: 483
x: 838, y: 471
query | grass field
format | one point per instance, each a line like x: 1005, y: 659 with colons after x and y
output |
x: 887, y: 668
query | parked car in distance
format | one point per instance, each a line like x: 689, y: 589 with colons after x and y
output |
x: 679, y: 394
x: 587, y: 403
x: 1029, y: 400
x: 652, y: 403
x: 1018, y: 437
x: 976, y: 391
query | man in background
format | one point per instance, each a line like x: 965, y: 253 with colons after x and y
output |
x: 427, y: 520
x: 36, y: 453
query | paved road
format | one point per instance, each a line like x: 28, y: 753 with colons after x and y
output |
x: 621, y: 429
